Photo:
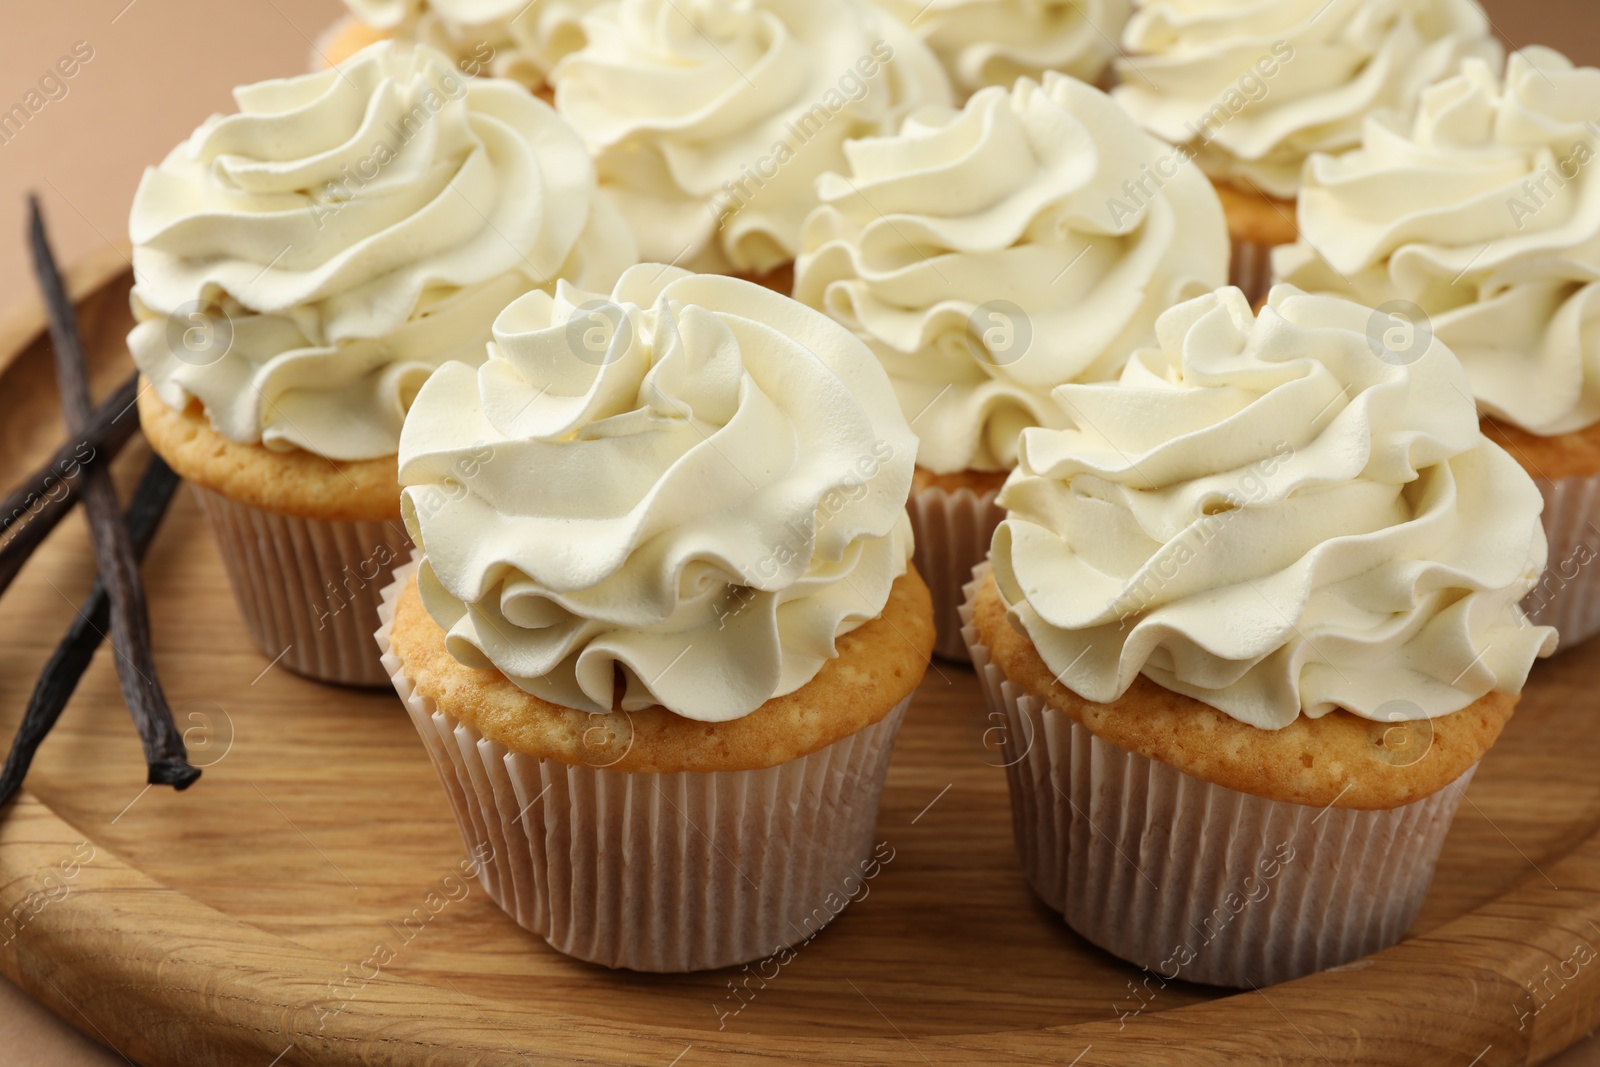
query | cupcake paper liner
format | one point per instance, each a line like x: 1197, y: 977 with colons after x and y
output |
x: 308, y: 588
x: 658, y: 872
x: 951, y: 533
x: 1196, y: 881
x: 1568, y: 595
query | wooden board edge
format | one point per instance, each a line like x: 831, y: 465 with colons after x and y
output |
x: 24, y: 320
x: 180, y: 982
x: 163, y: 979
x: 113, y: 952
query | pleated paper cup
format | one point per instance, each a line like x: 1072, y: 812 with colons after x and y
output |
x: 1196, y: 881
x: 658, y: 872
x: 951, y: 532
x: 1568, y: 595
x: 308, y: 589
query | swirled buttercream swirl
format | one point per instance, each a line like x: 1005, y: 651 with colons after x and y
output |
x: 1480, y: 221
x: 302, y: 265
x: 995, y: 42
x: 694, y: 484
x: 1256, y: 87
x: 710, y: 120
x: 990, y: 254
x: 515, y: 39
x: 1265, y: 515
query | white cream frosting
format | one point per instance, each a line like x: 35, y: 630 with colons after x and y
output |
x: 1264, y: 515
x: 710, y: 121
x: 1484, y: 214
x: 515, y: 39
x: 1012, y: 213
x: 995, y: 42
x: 695, y: 480
x: 354, y: 229
x: 1258, y: 85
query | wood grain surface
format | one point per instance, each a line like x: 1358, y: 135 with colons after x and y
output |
x: 243, y: 920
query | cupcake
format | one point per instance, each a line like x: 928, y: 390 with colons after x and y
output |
x: 300, y: 268
x: 1253, y: 621
x: 1249, y: 91
x: 995, y: 42
x: 988, y: 255
x: 710, y: 122
x: 663, y: 628
x: 511, y: 39
x: 1479, y: 224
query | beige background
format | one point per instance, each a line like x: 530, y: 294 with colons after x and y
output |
x: 161, y: 66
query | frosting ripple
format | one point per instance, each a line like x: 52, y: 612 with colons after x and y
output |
x: 301, y: 266
x: 1265, y: 515
x: 1257, y: 86
x: 512, y: 39
x: 1479, y: 221
x: 694, y: 484
x: 988, y: 255
x: 710, y: 121
x: 995, y: 42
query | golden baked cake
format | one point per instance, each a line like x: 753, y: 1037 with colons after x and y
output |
x: 297, y: 483
x: 876, y: 668
x: 1339, y: 759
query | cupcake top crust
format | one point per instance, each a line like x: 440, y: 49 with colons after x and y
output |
x: 994, y: 42
x: 1256, y: 86
x: 512, y: 39
x: 1479, y: 221
x: 991, y: 253
x: 1276, y: 517
x: 302, y: 265
x: 680, y: 494
x: 710, y: 121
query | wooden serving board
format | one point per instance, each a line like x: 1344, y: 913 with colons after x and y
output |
x: 264, y: 912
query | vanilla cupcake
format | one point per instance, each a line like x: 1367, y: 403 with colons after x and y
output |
x: 995, y: 42
x: 665, y: 628
x: 1251, y: 90
x: 300, y: 268
x: 512, y: 39
x: 711, y: 122
x: 988, y: 255
x: 1479, y: 224
x: 1253, y: 621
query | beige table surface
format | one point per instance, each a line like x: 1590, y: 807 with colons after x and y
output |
x: 161, y: 66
